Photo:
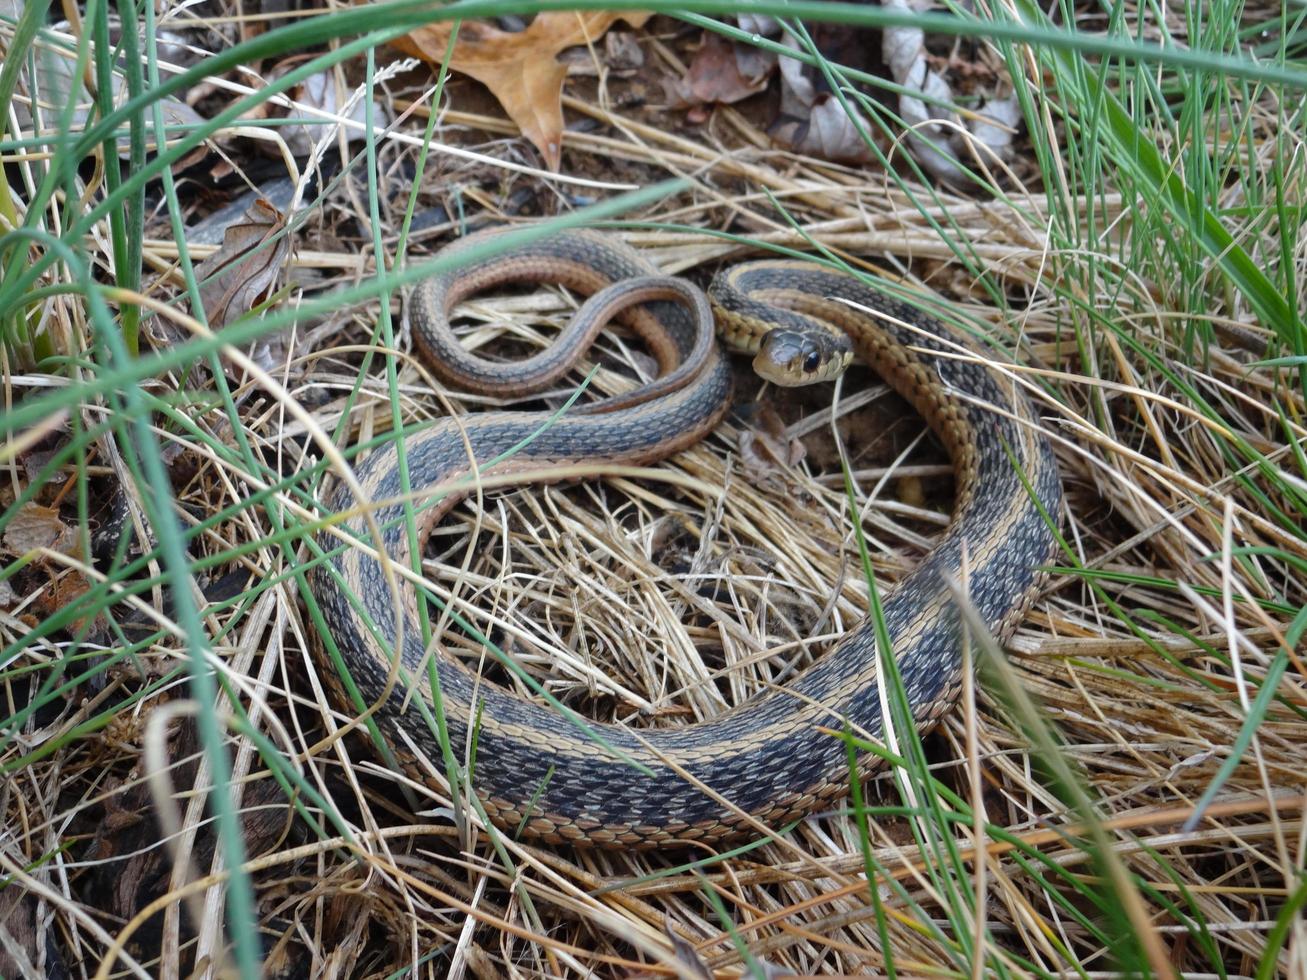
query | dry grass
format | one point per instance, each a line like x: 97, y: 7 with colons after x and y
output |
x: 667, y: 595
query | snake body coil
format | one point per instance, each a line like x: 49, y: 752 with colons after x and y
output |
x: 766, y: 761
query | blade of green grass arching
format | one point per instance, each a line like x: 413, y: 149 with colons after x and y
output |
x: 18, y: 322
x: 420, y: 165
x: 113, y: 378
x: 861, y: 815
x: 1117, y: 116
x: 124, y: 582
x: 1290, y: 226
x: 755, y: 969
x: 401, y: 254
x: 1053, y: 875
x: 1131, y: 942
x: 142, y: 448
x: 243, y: 456
x: 1198, y: 137
x: 143, y: 456
x: 935, y: 842
x: 435, y: 718
x: 24, y: 34
x: 1234, y: 448
x: 387, y: 329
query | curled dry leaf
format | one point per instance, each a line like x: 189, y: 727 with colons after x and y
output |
x: 815, y: 122
x: 622, y: 51
x: 35, y: 526
x: 241, y: 274
x: 622, y: 56
x: 765, y: 446
x: 829, y: 132
x: 724, y: 72
x: 521, y: 69
x: 936, y: 136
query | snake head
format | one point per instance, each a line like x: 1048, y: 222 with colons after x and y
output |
x: 792, y: 358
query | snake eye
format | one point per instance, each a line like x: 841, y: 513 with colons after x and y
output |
x: 812, y: 361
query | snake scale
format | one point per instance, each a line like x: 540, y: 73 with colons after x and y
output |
x: 767, y: 761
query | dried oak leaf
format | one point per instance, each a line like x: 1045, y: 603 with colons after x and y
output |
x: 521, y: 69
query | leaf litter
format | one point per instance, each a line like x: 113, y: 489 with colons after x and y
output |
x: 520, y: 68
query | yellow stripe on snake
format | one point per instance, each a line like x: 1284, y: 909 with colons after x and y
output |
x: 767, y: 761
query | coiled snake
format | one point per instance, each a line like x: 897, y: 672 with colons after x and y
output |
x: 768, y: 760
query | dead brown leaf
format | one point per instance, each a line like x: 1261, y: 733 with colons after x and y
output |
x: 239, y: 276
x: 765, y: 446
x: 63, y: 592
x: 521, y: 69
x: 34, y: 527
x: 724, y: 72
x: 687, y: 956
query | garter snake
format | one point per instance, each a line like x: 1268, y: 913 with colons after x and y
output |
x: 768, y: 760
